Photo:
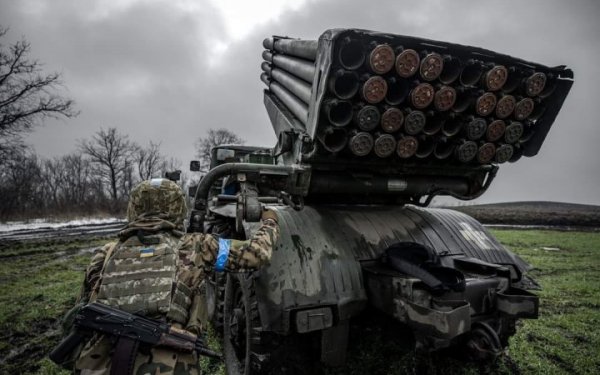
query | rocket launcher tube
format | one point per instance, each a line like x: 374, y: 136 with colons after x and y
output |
x: 300, y: 68
x: 295, y: 105
x: 295, y: 85
x: 306, y: 49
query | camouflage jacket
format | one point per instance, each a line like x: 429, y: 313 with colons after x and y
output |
x: 199, y: 254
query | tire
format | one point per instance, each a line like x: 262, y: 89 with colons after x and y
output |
x: 250, y: 351
x: 241, y: 327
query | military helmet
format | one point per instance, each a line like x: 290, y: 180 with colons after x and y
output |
x: 160, y: 197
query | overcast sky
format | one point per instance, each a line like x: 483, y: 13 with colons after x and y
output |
x: 169, y: 70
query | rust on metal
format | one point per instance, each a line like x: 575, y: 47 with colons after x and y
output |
x: 407, y: 63
x: 374, y: 89
x: 444, y: 98
x: 422, y: 95
x: 432, y: 66
x: 496, y: 77
x: 485, y: 104
x: 381, y: 59
x: 486, y: 153
x: 391, y: 120
x: 505, y: 106
x: 495, y: 130
x: 407, y: 146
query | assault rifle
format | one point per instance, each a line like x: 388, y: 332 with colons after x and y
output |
x: 97, y: 317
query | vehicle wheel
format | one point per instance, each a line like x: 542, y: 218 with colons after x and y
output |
x: 248, y: 350
x: 241, y: 327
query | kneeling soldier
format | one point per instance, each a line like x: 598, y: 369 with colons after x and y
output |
x: 154, y: 269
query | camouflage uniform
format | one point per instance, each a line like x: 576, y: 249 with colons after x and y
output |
x: 157, y: 209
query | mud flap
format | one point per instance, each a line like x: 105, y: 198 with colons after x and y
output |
x: 518, y: 303
x: 444, y: 320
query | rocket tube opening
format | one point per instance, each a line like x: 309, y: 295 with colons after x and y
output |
x: 495, y: 78
x: 339, y: 112
x: 476, y: 128
x: 333, y: 139
x: 549, y: 87
x: 466, y: 151
x: 463, y: 100
x: 434, y: 125
x: 360, y: 143
x: 367, y: 118
x: 422, y: 95
x: 451, y: 70
x: 344, y: 84
x: 505, y: 106
x: 407, y: 146
x: 391, y: 120
x: 471, y: 73
x: 513, y: 80
x: 444, y: 98
x: 485, y: 104
x: 407, y: 63
x: 443, y: 149
x: 432, y: 66
x: 414, y: 122
x: 535, y: 84
x: 397, y: 91
x: 385, y: 145
x: 381, y: 59
x: 452, y: 126
x: 495, y: 130
x: 486, y: 153
x: 351, y: 54
x: 425, y: 148
x: 513, y: 132
x: 374, y: 90
x: 504, y: 153
x: 524, y: 108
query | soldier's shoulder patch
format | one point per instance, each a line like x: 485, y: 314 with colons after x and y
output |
x: 146, y: 252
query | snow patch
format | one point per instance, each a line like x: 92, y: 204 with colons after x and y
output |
x: 12, y: 226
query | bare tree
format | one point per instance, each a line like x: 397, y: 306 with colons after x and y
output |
x: 149, y: 161
x: 215, y: 137
x: 27, y: 95
x: 111, y: 152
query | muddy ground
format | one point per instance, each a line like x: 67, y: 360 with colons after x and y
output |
x: 41, y: 278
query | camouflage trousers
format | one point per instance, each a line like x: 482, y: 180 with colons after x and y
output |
x: 95, y: 359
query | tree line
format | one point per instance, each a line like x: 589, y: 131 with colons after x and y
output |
x: 94, y: 179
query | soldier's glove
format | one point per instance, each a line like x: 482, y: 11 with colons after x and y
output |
x: 268, y: 214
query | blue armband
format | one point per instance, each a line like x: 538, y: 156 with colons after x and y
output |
x: 223, y: 254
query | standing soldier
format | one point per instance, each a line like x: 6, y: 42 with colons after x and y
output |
x: 154, y: 269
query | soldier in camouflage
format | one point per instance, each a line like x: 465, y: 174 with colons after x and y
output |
x: 156, y: 269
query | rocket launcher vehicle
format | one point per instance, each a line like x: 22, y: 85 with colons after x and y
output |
x: 374, y: 116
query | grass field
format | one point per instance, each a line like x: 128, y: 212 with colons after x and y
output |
x: 40, y: 281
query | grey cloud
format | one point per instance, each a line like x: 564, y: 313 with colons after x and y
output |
x: 146, y: 71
